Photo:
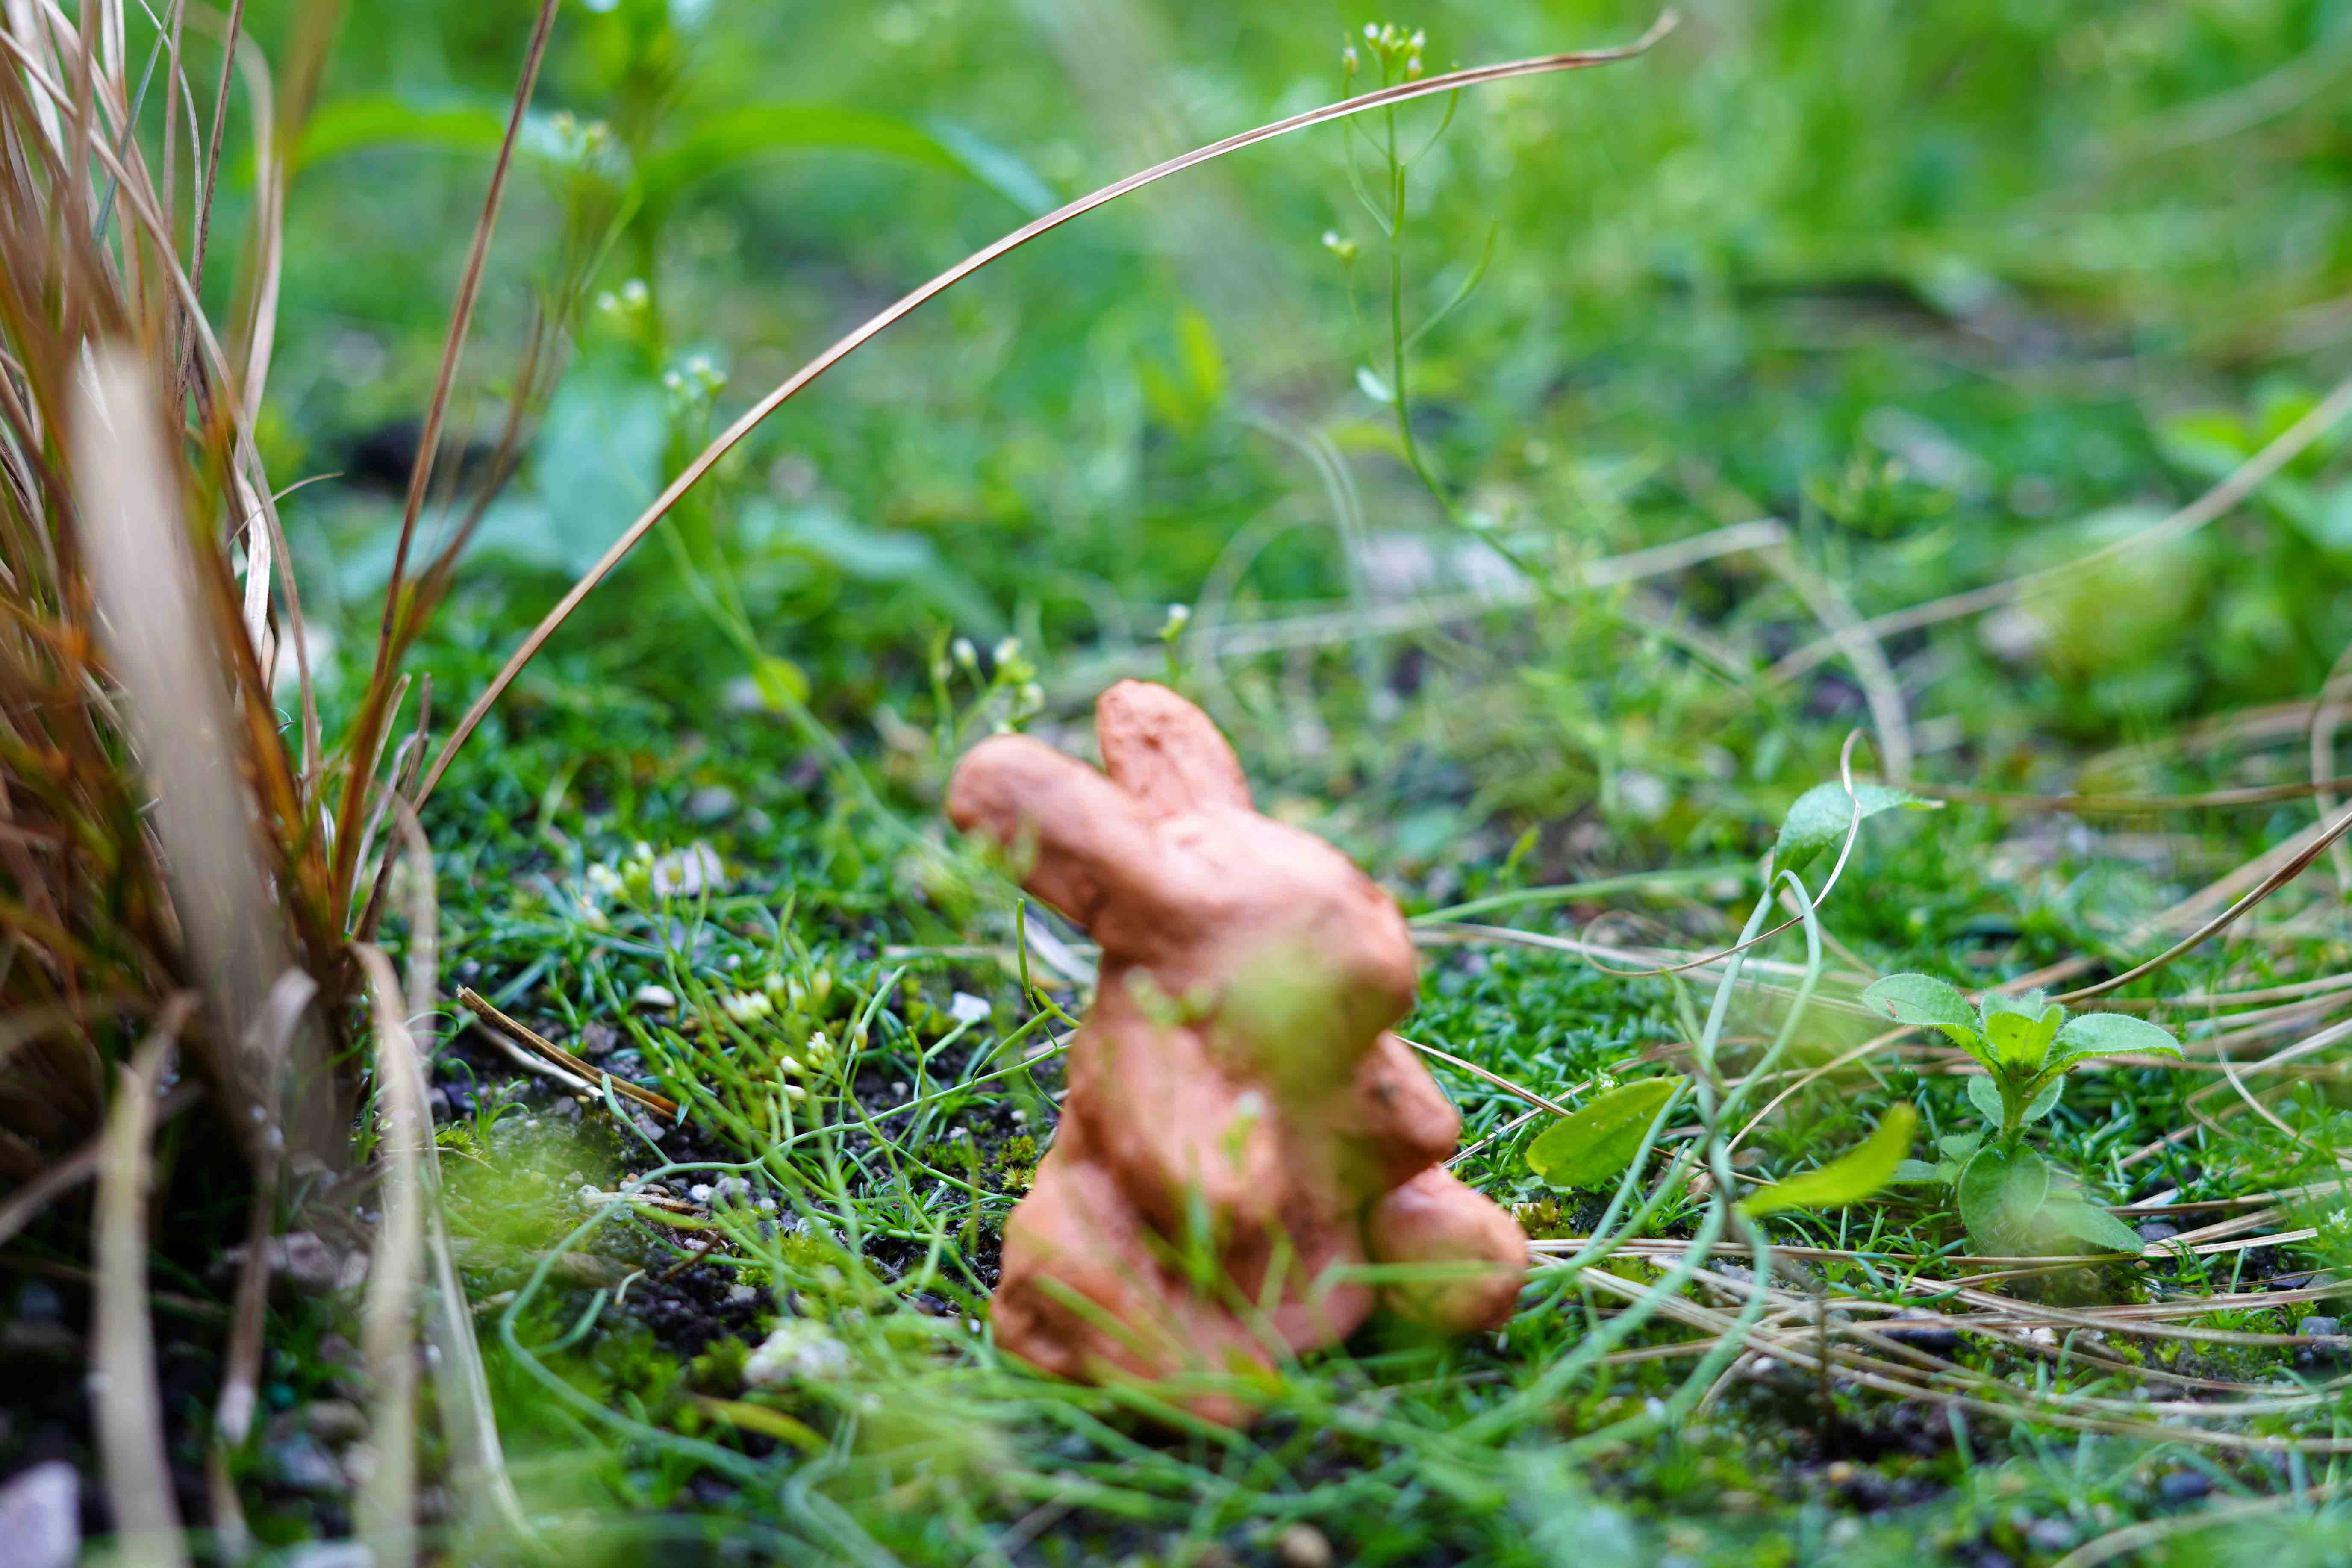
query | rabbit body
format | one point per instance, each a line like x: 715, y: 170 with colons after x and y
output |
x: 1240, y: 1122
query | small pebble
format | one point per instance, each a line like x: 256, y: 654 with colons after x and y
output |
x: 1303, y: 1546
x: 2050, y: 1536
x: 659, y: 997
x: 2157, y: 1230
x: 699, y: 1191
x: 966, y: 1009
x: 330, y: 1554
x: 301, y: 1463
x: 2182, y: 1485
x: 40, y: 1516
x: 2329, y: 1331
x: 712, y: 803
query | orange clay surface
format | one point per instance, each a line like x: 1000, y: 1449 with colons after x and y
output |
x: 1241, y: 1127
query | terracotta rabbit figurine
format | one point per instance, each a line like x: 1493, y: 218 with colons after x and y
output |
x: 1240, y: 1126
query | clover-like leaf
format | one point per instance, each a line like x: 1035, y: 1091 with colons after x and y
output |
x: 2072, y: 1215
x: 1924, y: 999
x: 1985, y: 1095
x: 1822, y: 814
x: 2110, y: 1035
x: 1999, y: 1195
x: 1850, y: 1177
x: 1979, y: 1191
x: 1600, y: 1139
x: 2023, y: 1190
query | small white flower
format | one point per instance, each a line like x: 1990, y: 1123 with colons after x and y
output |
x: 683, y: 873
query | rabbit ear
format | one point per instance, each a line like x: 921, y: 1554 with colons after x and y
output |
x: 1164, y: 751
x: 1094, y: 848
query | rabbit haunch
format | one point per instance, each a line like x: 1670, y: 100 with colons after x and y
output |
x: 1241, y: 1128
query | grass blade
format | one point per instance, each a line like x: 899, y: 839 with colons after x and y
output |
x: 128, y: 1397
x: 386, y: 1510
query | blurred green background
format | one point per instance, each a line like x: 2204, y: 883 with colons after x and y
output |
x: 1943, y: 288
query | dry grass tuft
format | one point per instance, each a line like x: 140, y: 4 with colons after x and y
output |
x: 185, y: 878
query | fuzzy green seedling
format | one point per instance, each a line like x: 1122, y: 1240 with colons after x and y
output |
x: 2009, y: 1199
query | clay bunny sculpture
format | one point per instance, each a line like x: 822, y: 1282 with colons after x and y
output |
x: 1240, y: 1126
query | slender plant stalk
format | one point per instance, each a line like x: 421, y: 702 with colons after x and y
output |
x: 858, y: 337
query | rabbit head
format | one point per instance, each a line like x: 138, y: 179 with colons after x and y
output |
x: 1163, y: 859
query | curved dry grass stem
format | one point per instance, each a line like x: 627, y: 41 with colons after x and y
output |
x: 1452, y: 82
x: 2151, y: 1531
x: 1497, y: 1079
x: 2294, y: 867
x: 369, y: 730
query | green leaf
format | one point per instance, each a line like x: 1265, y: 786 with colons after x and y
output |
x: 1979, y: 1191
x: 2022, y: 1190
x: 2209, y: 443
x: 1849, y: 1178
x: 1600, y: 1141
x: 867, y: 554
x: 2043, y: 1101
x: 2111, y: 1035
x: 2000, y: 1195
x: 389, y: 119
x: 2019, y: 1030
x: 1001, y: 171
x: 1924, y: 999
x: 1917, y: 1170
x: 1822, y: 814
x: 714, y: 142
x: 733, y: 137
x: 1985, y: 1095
x: 2088, y: 1222
x: 1959, y: 1145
